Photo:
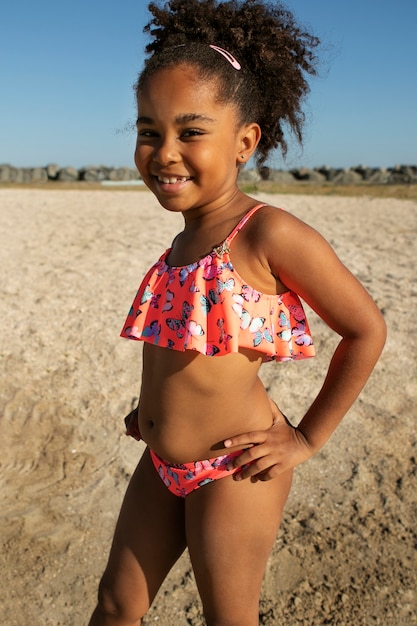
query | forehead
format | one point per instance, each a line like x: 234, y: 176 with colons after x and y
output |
x: 181, y: 89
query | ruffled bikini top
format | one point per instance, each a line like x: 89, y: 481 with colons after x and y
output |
x: 206, y: 306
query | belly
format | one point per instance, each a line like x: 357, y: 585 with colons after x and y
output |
x: 191, y: 403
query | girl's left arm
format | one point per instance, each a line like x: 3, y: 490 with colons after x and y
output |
x: 308, y: 265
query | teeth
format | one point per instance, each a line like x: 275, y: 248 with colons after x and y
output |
x: 172, y: 179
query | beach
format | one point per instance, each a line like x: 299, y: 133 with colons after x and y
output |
x: 346, y: 552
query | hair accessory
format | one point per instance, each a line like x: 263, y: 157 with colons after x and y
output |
x: 229, y: 57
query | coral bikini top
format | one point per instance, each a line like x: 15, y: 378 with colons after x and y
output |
x: 206, y: 306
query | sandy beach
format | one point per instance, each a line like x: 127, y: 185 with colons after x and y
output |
x: 71, y: 261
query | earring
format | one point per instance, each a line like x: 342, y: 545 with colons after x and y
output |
x: 242, y: 156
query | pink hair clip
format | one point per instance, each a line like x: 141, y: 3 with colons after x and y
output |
x: 229, y: 57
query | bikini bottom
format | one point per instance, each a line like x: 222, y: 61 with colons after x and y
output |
x: 182, y: 479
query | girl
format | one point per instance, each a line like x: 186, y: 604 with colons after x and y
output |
x: 222, y: 81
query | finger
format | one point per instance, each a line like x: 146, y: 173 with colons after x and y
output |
x: 250, y: 469
x: 263, y: 476
x: 247, y: 456
x: 245, y: 440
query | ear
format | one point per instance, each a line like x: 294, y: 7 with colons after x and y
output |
x: 248, y: 138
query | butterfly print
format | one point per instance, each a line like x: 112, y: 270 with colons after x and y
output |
x: 207, y: 302
x: 225, y: 286
x: 169, y: 297
x: 211, y: 349
x: 223, y: 337
x: 146, y: 296
x: 262, y: 335
x: 210, y: 268
x: 250, y: 294
x: 153, y: 330
x: 206, y: 306
x: 301, y: 338
x: 185, y: 327
x: 185, y: 272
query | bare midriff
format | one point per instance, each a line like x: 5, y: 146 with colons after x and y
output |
x: 191, y: 403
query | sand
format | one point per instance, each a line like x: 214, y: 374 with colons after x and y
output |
x: 71, y: 262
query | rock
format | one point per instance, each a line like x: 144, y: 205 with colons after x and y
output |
x: 38, y: 174
x: 52, y: 169
x: 123, y: 174
x: 403, y: 174
x: 281, y: 177
x: 378, y: 176
x: 92, y: 173
x: 347, y: 177
x: 264, y: 172
x: 68, y: 174
x: 4, y: 173
x: 312, y: 176
x: 251, y: 176
x: 328, y: 172
x: 16, y: 175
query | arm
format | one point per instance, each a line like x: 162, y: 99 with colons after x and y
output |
x: 309, y: 266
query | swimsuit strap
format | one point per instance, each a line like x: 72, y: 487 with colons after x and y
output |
x: 242, y: 222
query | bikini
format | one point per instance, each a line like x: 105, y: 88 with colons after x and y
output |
x: 206, y: 306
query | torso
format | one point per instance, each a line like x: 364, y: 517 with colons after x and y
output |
x: 191, y: 402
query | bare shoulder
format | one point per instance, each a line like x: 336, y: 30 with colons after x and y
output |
x: 306, y: 263
x: 283, y: 238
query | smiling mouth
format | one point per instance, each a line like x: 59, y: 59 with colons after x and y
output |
x: 171, y: 180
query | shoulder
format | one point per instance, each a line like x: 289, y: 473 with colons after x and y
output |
x: 276, y: 233
x: 271, y: 222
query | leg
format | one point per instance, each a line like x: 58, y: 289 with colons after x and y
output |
x: 231, y: 527
x: 148, y: 539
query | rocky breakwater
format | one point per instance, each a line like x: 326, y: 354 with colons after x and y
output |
x: 54, y: 172
x: 360, y: 174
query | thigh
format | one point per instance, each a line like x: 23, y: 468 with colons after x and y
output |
x: 231, y: 527
x: 148, y: 539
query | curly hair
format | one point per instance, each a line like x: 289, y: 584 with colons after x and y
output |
x: 275, y: 55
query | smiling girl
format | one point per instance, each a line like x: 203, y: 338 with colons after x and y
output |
x: 220, y: 84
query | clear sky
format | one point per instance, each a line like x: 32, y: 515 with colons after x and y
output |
x: 67, y: 70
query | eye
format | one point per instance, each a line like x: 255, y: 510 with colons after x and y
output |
x: 192, y: 132
x: 146, y: 133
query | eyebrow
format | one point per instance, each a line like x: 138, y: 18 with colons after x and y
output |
x: 181, y: 119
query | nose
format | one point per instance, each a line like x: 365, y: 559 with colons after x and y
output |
x: 166, y: 151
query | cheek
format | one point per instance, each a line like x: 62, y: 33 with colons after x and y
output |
x: 141, y: 155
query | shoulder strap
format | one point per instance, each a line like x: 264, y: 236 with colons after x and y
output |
x: 243, y: 221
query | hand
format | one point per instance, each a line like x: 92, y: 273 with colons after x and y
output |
x: 269, y: 453
x: 132, y: 426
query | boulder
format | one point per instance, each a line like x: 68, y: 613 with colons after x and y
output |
x: 281, y: 177
x: 68, y: 174
x: 264, y: 172
x: 377, y: 176
x: 346, y: 177
x: 4, y: 173
x: 15, y: 174
x: 123, y: 174
x: 403, y: 174
x: 306, y: 174
x: 248, y: 176
x: 328, y: 172
x: 52, y: 169
x: 92, y: 173
x: 38, y: 174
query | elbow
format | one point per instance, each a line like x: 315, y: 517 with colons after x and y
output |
x: 377, y: 333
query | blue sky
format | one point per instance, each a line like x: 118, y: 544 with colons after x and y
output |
x: 67, y: 71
